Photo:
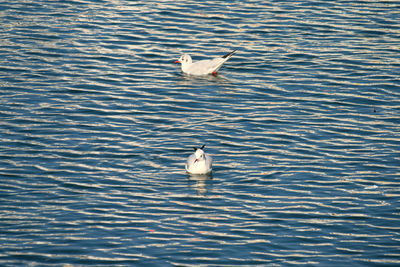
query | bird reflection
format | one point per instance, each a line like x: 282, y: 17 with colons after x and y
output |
x: 201, y: 182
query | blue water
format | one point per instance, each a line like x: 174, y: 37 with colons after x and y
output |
x: 303, y: 123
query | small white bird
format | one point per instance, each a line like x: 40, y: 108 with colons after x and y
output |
x: 202, y: 67
x: 199, y: 162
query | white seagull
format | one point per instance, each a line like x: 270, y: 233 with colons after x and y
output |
x: 199, y: 162
x: 202, y: 67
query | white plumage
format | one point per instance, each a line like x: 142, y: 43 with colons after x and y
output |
x: 199, y: 162
x: 202, y: 67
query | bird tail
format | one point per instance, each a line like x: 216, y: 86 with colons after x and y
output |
x: 229, y: 54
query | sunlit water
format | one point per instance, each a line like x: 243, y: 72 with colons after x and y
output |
x: 303, y: 123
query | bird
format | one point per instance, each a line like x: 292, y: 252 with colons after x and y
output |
x: 199, y: 162
x: 202, y: 67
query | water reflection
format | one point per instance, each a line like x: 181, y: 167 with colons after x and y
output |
x: 186, y: 79
x: 200, y: 184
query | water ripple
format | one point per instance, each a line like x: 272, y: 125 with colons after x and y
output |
x: 97, y: 123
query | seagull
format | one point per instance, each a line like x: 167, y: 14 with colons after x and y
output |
x: 203, y: 67
x: 199, y: 162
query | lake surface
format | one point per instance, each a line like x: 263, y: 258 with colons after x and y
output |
x: 303, y: 123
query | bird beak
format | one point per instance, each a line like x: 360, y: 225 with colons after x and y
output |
x: 176, y: 62
x: 195, y: 160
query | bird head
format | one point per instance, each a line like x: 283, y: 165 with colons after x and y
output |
x: 199, y: 152
x: 184, y: 59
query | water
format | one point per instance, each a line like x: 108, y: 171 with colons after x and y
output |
x: 302, y: 123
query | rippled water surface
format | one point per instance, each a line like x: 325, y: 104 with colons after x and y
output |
x: 303, y: 123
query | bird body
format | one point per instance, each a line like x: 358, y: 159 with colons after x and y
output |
x: 202, y: 67
x: 199, y: 162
